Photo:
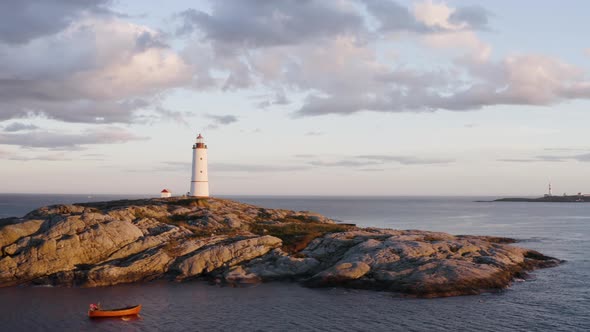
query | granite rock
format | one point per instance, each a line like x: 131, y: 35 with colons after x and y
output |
x: 107, y: 243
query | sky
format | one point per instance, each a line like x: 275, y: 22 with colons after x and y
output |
x: 295, y: 97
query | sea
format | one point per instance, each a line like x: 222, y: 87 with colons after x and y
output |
x: 555, y: 299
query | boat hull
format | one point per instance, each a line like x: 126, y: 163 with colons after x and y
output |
x: 130, y: 311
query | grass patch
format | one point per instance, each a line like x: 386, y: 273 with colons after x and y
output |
x: 192, y: 202
x: 296, y: 236
x: 432, y: 238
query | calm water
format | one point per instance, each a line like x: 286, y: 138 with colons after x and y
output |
x: 556, y: 299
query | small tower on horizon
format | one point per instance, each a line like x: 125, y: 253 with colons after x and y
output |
x: 549, y: 192
x: 199, y: 178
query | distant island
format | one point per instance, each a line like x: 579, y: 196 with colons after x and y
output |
x: 547, y: 198
x: 232, y: 243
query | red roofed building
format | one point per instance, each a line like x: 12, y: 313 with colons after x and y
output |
x: 165, y: 193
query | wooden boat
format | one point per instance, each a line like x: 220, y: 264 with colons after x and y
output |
x: 128, y: 311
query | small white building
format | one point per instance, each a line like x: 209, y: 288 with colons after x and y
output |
x: 165, y: 193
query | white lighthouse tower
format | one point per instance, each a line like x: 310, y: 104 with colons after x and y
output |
x: 549, y: 191
x: 200, y: 178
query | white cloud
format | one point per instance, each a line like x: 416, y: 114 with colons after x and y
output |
x: 462, y: 42
x: 326, y: 52
x: 113, y: 65
x: 342, y: 73
x: 69, y: 141
x: 19, y: 126
x: 436, y: 15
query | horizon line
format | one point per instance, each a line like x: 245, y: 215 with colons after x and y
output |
x: 278, y: 195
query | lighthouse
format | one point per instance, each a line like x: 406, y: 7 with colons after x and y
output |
x: 200, y: 178
x: 549, y: 191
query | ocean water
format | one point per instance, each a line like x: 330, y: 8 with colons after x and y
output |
x: 556, y: 299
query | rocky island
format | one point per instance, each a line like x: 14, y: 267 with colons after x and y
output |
x: 227, y: 242
x: 548, y: 199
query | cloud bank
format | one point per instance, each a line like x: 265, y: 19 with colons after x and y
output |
x: 69, y: 141
x: 79, y: 61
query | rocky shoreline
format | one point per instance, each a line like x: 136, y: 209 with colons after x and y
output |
x: 108, y: 243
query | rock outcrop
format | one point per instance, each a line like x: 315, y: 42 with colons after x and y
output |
x: 107, y: 243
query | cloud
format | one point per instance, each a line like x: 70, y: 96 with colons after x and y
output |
x: 51, y: 157
x: 221, y: 120
x: 314, y: 133
x: 533, y: 160
x: 445, y: 19
x: 278, y: 99
x: 340, y: 72
x: 407, y: 160
x: 551, y: 158
x: 77, y: 61
x: 235, y: 167
x: 435, y: 15
x: 584, y: 157
x: 93, y: 156
x: 465, y: 44
x: 372, y: 169
x: 231, y: 167
x: 516, y: 80
x: 69, y: 141
x: 361, y: 163
x: 23, y: 21
x: 426, y: 17
x: 394, y: 17
x: 176, y: 116
x: 517, y: 160
x: 471, y: 16
x: 567, y: 149
x: 115, y: 70
x: 345, y: 163
x: 44, y: 157
x: 260, y: 23
x: 373, y: 160
x: 340, y: 75
x: 28, y: 155
x: 19, y: 126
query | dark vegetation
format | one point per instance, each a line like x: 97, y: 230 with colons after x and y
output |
x: 493, y: 239
x: 192, y: 202
x: 432, y: 238
x: 296, y: 236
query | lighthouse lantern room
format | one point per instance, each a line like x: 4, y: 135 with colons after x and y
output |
x: 200, y: 178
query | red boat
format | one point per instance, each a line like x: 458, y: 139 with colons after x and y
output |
x: 96, y: 312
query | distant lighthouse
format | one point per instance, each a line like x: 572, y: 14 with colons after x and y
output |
x: 549, y: 191
x: 199, y: 179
